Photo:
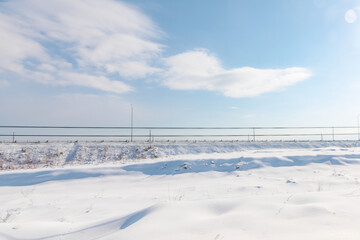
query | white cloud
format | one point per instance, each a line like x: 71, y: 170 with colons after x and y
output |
x: 101, y: 37
x: 64, y: 78
x: 93, y: 43
x: 15, y: 47
x: 46, y: 67
x: 199, y: 70
x: 98, y: 82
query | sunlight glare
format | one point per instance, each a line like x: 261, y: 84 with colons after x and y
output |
x: 350, y: 16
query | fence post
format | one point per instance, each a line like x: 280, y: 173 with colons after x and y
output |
x: 13, y: 137
x: 254, y: 134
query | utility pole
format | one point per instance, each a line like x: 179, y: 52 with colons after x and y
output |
x: 131, y: 124
x: 358, y: 127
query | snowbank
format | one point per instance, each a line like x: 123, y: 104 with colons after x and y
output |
x: 39, y: 155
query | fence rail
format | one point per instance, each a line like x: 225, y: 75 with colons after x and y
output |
x: 191, y: 128
x: 35, y: 133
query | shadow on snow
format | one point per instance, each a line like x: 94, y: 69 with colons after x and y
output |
x: 98, y: 230
x: 173, y: 168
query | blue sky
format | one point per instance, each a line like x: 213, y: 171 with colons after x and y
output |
x: 180, y: 63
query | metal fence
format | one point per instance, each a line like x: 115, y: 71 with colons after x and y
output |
x: 146, y: 133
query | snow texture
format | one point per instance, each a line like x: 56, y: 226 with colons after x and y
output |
x: 267, y: 190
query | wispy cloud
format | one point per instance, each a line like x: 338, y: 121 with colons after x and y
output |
x: 46, y: 40
x: 95, y: 44
x: 200, y: 70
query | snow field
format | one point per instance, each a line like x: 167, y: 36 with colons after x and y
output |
x: 282, y: 191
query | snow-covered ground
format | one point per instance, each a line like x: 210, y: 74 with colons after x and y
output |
x: 60, y: 154
x: 222, y: 190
